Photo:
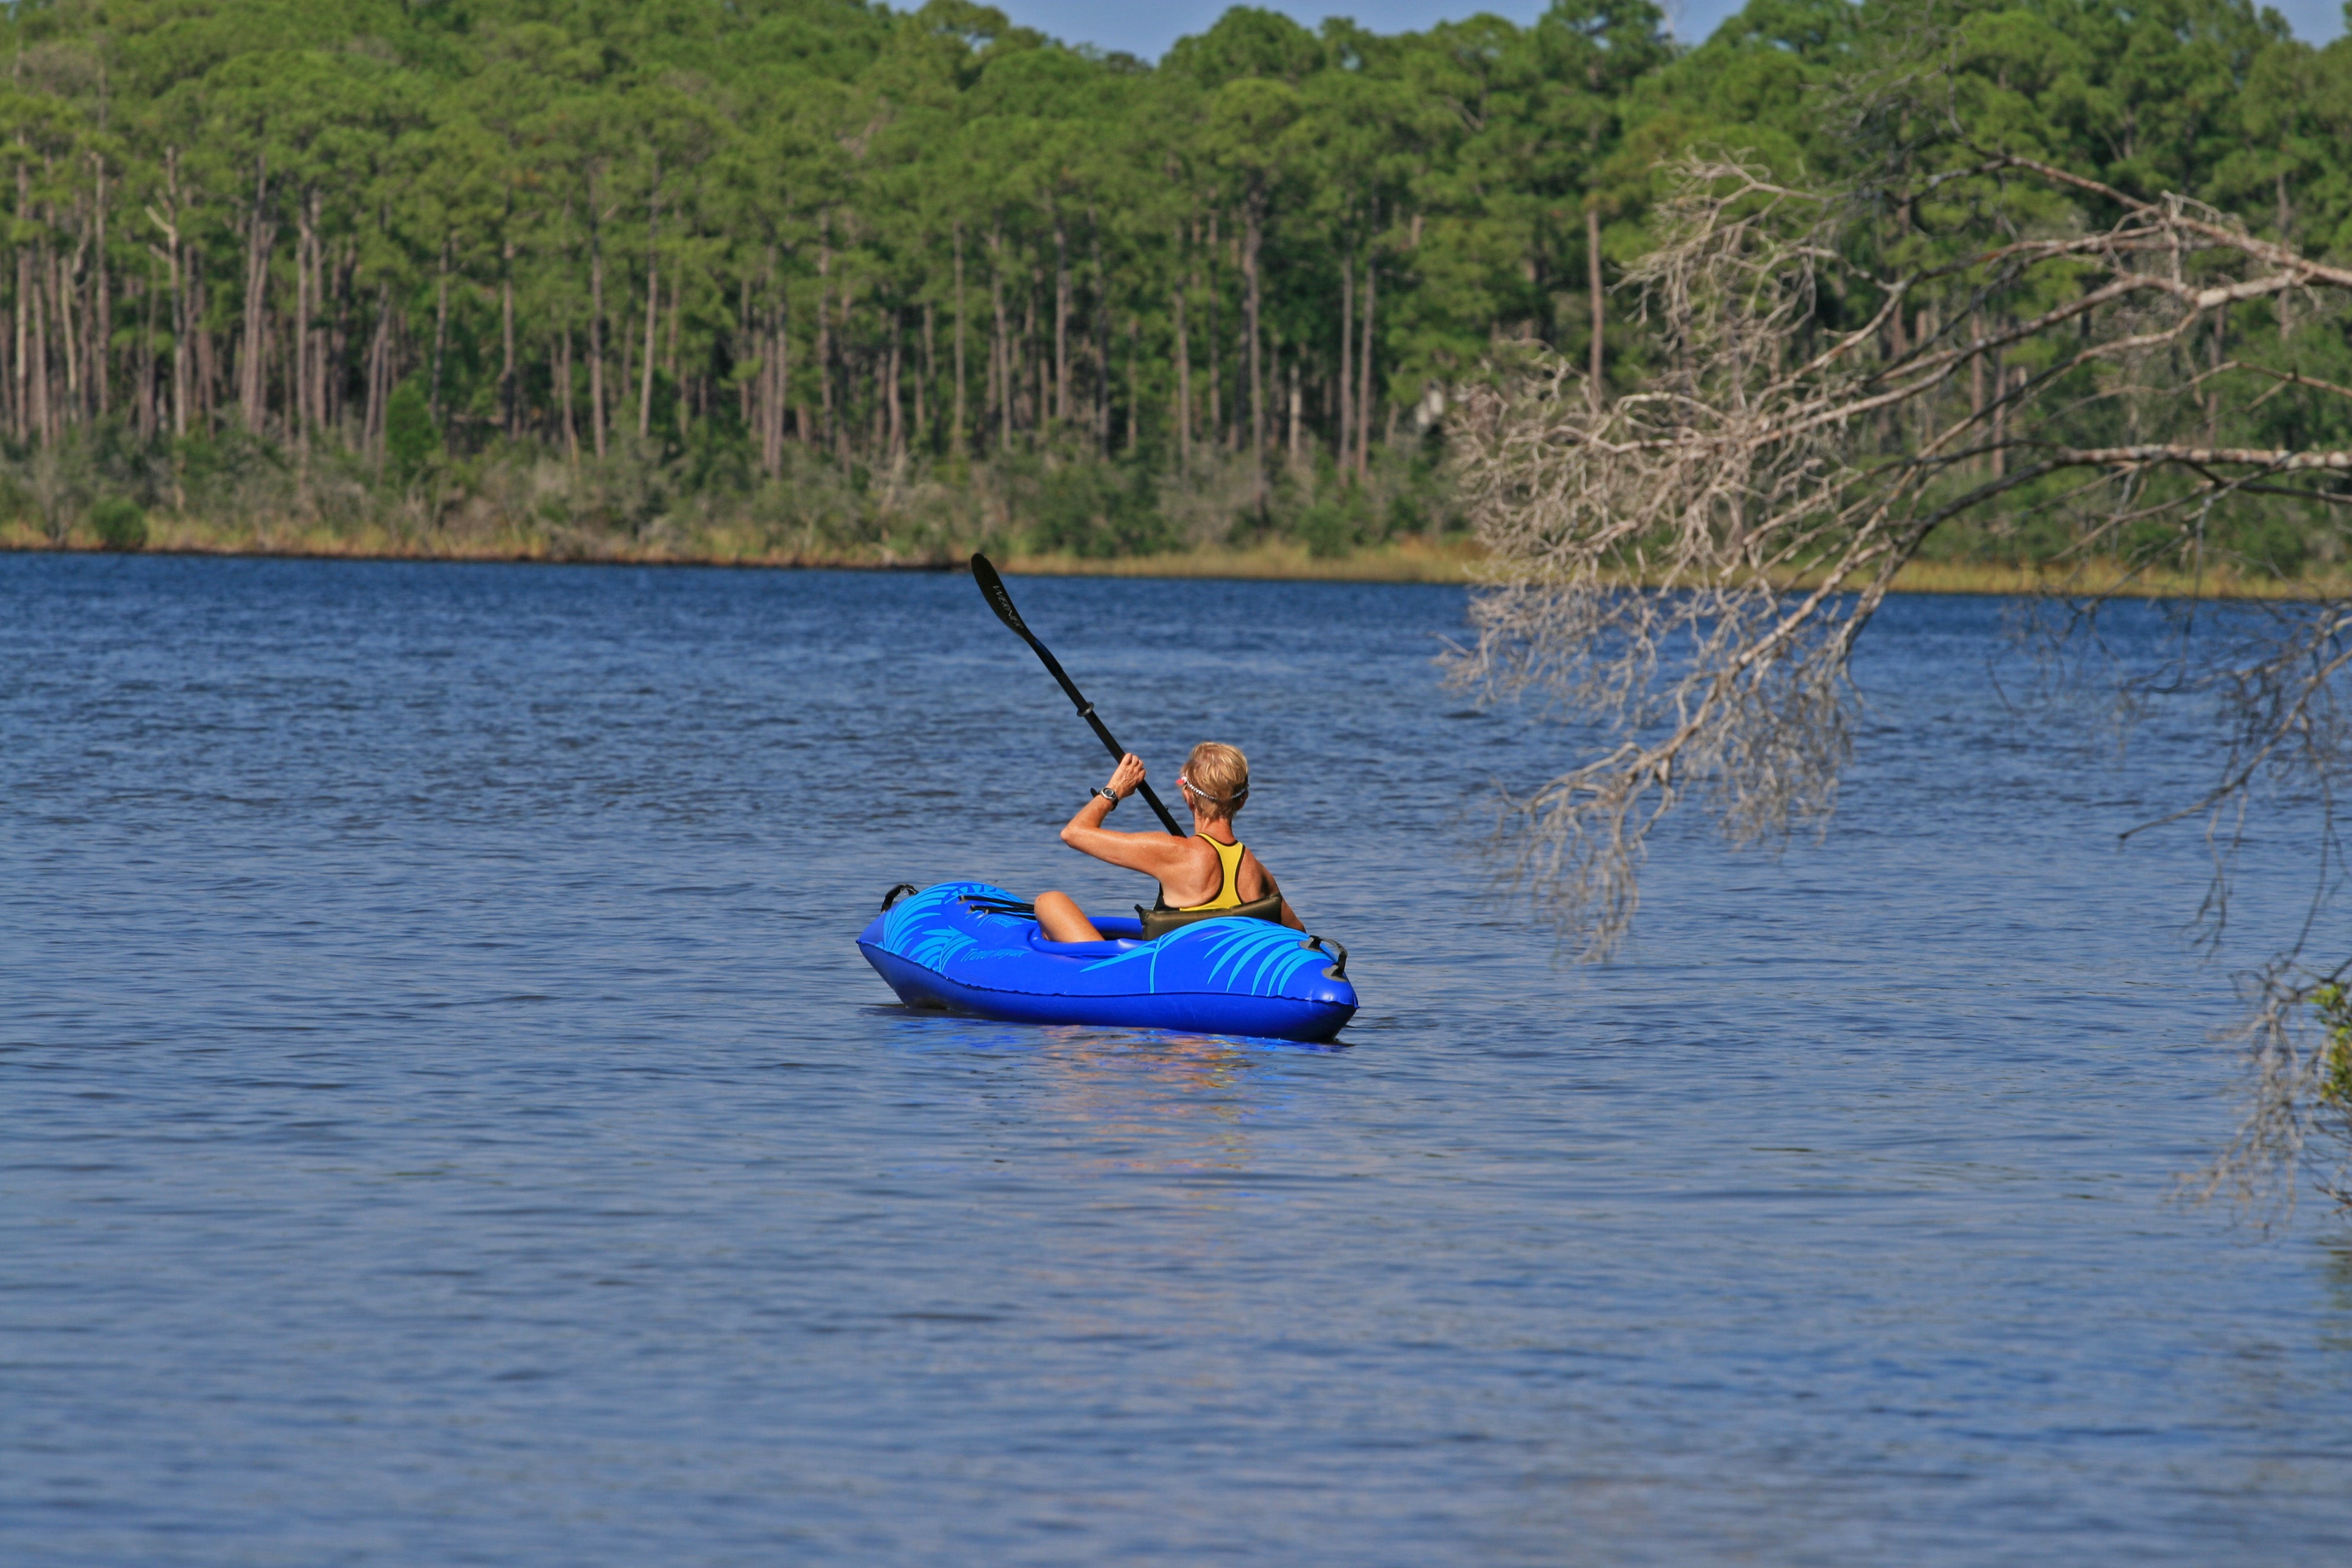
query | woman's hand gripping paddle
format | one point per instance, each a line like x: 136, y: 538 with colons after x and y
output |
x: 992, y: 587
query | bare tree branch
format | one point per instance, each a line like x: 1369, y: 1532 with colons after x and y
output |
x: 1687, y: 567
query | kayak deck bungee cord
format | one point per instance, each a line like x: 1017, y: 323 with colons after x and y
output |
x: 969, y: 947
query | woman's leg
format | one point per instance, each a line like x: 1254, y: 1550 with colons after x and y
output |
x: 1059, y: 917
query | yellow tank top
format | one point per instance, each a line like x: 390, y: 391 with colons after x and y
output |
x: 1229, y: 867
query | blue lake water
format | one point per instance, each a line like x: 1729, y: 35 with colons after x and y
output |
x: 443, y: 1118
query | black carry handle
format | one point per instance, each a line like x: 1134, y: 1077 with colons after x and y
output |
x: 1338, y: 971
x: 993, y: 587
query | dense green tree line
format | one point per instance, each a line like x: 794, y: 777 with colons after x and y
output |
x: 680, y: 251
x: 1907, y: 115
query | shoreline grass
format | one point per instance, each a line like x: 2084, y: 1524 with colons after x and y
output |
x: 2105, y: 577
x: 1408, y: 560
x: 1413, y: 559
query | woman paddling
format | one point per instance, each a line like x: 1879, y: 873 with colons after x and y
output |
x: 1210, y: 871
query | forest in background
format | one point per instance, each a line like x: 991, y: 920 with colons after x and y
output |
x: 819, y: 280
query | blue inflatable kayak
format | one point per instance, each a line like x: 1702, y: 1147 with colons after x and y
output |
x: 971, y: 948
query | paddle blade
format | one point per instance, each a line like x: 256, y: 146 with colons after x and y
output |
x: 991, y: 588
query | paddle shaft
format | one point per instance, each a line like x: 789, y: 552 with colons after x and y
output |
x: 991, y: 587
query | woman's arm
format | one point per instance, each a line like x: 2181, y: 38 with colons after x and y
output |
x: 1154, y: 854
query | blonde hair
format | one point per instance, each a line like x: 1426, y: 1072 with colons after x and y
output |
x: 1219, y: 775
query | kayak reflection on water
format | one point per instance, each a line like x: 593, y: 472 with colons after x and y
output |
x: 1209, y: 874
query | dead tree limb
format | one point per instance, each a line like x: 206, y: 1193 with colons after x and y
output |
x: 1689, y: 565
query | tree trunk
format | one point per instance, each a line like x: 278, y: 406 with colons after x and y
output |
x: 333, y: 390
x: 783, y: 337
x: 67, y: 404
x: 955, y: 433
x: 775, y: 376
x: 38, y: 349
x: 1216, y: 348
x: 440, y: 328
x: 11, y: 393
x: 1252, y: 232
x: 208, y: 367
x: 670, y: 361
x: 508, y: 405
x: 305, y: 235
x: 1101, y: 335
x: 1347, y: 355
x: 21, y: 405
x: 1061, y: 322
x: 745, y: 352
x: 179, y: 347
x: 143, y: 407
x: 844, y: 349
x: 1294, y: 410
x: 1976, y: 371
x: 890, y: 377
x: 1600, y: 312
x: 102, y: 313
x: 328, y: 342
x: 1000, y: 349
x: 625, y: 375
x: 769, y: 405
x: 563, y: 397
x: 924, y: 382
x: 676, y: 371
x: 1037, y: 410
x: 653, y: 305
x: 378, y: 372
x: 169, y: 222
x: 2283, y: 305
x: 597, y: 422
x: 260, y: 232
x: 825, y: 334
x: 1134, y: 383
x: 1183, y: 381
x: 1364, y: 367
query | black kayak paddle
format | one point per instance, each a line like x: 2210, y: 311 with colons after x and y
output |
x: 993, y: 587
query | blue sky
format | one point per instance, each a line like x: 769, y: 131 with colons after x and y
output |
x: 1147, y: 29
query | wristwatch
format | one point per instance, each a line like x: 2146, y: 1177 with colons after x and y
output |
x: 1109, y: 793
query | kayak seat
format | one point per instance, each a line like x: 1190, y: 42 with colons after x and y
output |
x: 1158, y: 922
